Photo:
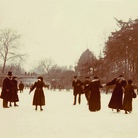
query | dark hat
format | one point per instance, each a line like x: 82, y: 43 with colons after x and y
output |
x: 120, y: 75
x: 130, y: 81
x: 40, y: 77
x: 96, y: 77
x: 9, y: 73
x: 75, y: 76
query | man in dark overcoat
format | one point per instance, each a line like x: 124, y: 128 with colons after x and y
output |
x: 21, y: 86
x: 6, y: 90
x: 77, y: 89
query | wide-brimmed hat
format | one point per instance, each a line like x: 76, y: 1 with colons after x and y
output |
x: 9, y: 73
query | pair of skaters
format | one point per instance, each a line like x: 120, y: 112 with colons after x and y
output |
x: 91, y: 91
x: 9, y: 90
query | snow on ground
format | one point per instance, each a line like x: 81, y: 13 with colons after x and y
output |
x: 61, y: 119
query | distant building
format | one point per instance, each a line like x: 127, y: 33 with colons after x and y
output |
x: 85, y: 64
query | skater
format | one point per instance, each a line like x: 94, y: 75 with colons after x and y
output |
x: 87, y: 88
x: 59, y: 87
x: 95, y: 97
x: 117, y: 94
x: 77, y: 89
x: 127, y: 102
x: 21, y: 86
x: 14, y: 92
x: 6, y: 90
x: 39, y: 97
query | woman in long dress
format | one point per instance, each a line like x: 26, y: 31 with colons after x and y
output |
x: 95, y: 97
x: 117, y: 94
x: 39, y: 97
x: 127, y: 103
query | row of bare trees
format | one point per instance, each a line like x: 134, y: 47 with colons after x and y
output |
x: 11, y: 59
x: 54, y: 74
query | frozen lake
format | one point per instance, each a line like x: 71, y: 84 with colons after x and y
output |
x: 60, y: 119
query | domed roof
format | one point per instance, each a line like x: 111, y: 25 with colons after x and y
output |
x: 86, y: 57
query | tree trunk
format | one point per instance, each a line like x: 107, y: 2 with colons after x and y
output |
x: 3, y: 68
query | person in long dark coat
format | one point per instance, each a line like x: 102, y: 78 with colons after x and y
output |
x: 21, y: 86
x: 14, y: 91
x: 117, y: 94
x: 77, y: 89
x: 95, y: 97
x: 86, y: 84
x: 39, y: 97
x: 6, y: 90
x: 127, y: 102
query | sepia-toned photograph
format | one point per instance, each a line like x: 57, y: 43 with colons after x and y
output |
x: 68, y: 68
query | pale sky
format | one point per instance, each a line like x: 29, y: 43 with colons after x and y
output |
x: 63, y: 29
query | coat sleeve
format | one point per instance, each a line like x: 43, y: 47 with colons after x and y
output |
x: 6, y: 85
x: 112, y: 82
x: 81, y: 84
x: 91, y: 85
x: 100, y: 86
x: 132, y: 89
x: 33, y: 87
x: 72, y: 83
x: 124, y: 83
x: 45, y: 85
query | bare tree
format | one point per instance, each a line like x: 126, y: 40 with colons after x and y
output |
x: 47, y: 64
x: 9, y: 43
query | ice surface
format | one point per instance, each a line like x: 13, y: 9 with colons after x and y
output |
x: 61, y: 119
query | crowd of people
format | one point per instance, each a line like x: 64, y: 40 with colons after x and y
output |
x: 121, y: 98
